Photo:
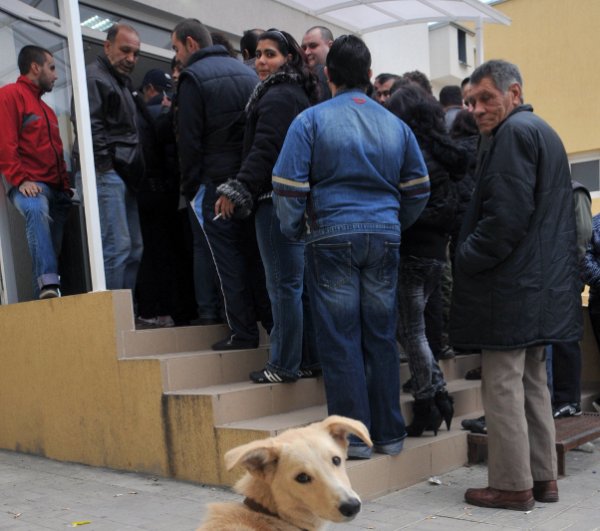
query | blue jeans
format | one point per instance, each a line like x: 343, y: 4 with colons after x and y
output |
x: 352, y: 282
x: 283, y: 260
x: 417, y: 281
x: 45, y: 216
x: 122, y: 243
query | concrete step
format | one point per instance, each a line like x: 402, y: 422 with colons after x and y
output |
x: 205, y: 368
x: 421, y: 458
x: 177, y: 339
x: 246, y: 400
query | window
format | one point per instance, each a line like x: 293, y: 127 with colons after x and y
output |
x: 587, y: 173
x: 47, y: 6
x: 98, y: 19
x: 462, y: 46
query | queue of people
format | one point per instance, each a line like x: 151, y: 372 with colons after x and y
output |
x: 327, y: 209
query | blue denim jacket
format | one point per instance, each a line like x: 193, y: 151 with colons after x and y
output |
x: 351, y: 166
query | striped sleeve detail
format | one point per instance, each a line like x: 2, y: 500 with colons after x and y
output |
x: 415, y: 187
x: 299, y: 186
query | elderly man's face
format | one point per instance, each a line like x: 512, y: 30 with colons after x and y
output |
x: 123, y: 52
x: 491, y: 106
x: 315, y: 48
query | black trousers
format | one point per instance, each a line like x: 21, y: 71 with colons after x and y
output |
x: 241, y: 273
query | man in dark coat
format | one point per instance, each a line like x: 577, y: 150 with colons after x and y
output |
x: 213, y: 90
x: 516, y: 285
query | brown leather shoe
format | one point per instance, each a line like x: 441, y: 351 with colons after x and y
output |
x: 545, y: 491
x: 517, y: 500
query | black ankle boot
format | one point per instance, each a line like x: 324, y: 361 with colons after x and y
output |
x: 445, y: 404
x: 426, y: 416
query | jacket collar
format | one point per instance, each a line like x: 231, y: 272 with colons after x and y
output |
x: 123, y: 79
x: 524, y: 107
x: 282, y: 76
x: 215, y: 49
x: 35, y: 89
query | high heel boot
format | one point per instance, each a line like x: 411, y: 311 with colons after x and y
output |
x: 426, y: 416
x: 445, y: 405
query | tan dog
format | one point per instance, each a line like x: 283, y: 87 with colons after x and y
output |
x: 295, y: 481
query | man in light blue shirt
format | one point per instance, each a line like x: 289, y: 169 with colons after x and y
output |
x: 349, y: 177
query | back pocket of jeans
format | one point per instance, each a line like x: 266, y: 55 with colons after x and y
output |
x: 332, y: 263
x: 390, y: 262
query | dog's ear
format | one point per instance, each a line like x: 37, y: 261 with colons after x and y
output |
x: 255, y: 456
x: 340, y: 427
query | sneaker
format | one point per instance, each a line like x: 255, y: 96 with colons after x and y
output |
x: 310, y: 373
x: 49, y: 292
x: 596, y: 404
x: 165, y: 321
x: 141, y: 323
x: 269, y: 376
x: 232, y: 343
x: 567, y: 410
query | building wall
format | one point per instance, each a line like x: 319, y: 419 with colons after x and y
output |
x: 555, y: 44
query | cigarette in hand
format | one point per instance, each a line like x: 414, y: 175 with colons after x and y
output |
x: 218, y: 216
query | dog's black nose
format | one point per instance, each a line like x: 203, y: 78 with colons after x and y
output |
x: 350, y: 508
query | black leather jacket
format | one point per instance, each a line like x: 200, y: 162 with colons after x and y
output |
x: 113, y: 118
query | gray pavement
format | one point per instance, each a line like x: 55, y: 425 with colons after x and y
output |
x: 40, y: 494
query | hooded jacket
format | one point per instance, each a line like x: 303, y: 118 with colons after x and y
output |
x: 30, y: 144
x: 515, y: 272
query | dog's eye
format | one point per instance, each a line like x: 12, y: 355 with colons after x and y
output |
x: 303, y: 478
x: 336, y: 460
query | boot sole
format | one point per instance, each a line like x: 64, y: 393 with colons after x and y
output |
x: 526, y: 506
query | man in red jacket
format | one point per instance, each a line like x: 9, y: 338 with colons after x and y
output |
x: 32, y: 163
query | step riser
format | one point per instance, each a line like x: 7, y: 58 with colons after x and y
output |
x: 213, y: 368
x: 263, y: 399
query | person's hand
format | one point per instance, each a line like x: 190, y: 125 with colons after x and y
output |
x: 29, y: 189
x: 166, y: 102
x: 225, y: 207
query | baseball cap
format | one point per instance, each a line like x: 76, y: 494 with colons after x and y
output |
x: 158, y: 79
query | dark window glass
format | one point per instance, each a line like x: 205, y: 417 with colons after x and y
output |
x: 587, y: 173
x: 462, y: 46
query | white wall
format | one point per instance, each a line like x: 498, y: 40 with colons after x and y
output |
x: 399, y: 50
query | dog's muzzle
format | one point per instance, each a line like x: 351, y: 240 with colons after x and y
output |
x: 350, y: 508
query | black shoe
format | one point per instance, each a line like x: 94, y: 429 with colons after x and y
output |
x: 269, y: 376
x: 473, y: 374
x: 426, y: 416
x: 310, y: 373
x: 231, y: 343
x: 475, y: 425
x: 567, y: 410
x: 407, y: 387
x: 445, y: 404
x: 447, y: 353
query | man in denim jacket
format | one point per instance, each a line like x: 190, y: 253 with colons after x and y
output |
x: 356, y: 173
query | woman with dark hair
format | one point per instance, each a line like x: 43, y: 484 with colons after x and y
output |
x: 286, y: 89
x: 423, y: 254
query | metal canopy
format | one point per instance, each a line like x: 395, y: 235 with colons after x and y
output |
x: 364, y: 16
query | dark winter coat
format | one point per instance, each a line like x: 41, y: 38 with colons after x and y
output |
x: 428, y: 237
x: 271, y: 109
x: 113, y: 118
x: 515, y: 271
x: 212, y: 94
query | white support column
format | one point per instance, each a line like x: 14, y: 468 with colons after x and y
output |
x: 479, y: 41
x: 84, y: 137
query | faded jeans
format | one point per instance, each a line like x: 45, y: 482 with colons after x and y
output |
x: 45, y: 216
x: 352, y: 281
x: 417, y: 280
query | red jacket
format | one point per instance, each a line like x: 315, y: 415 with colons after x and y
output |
x: 30, y: 144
